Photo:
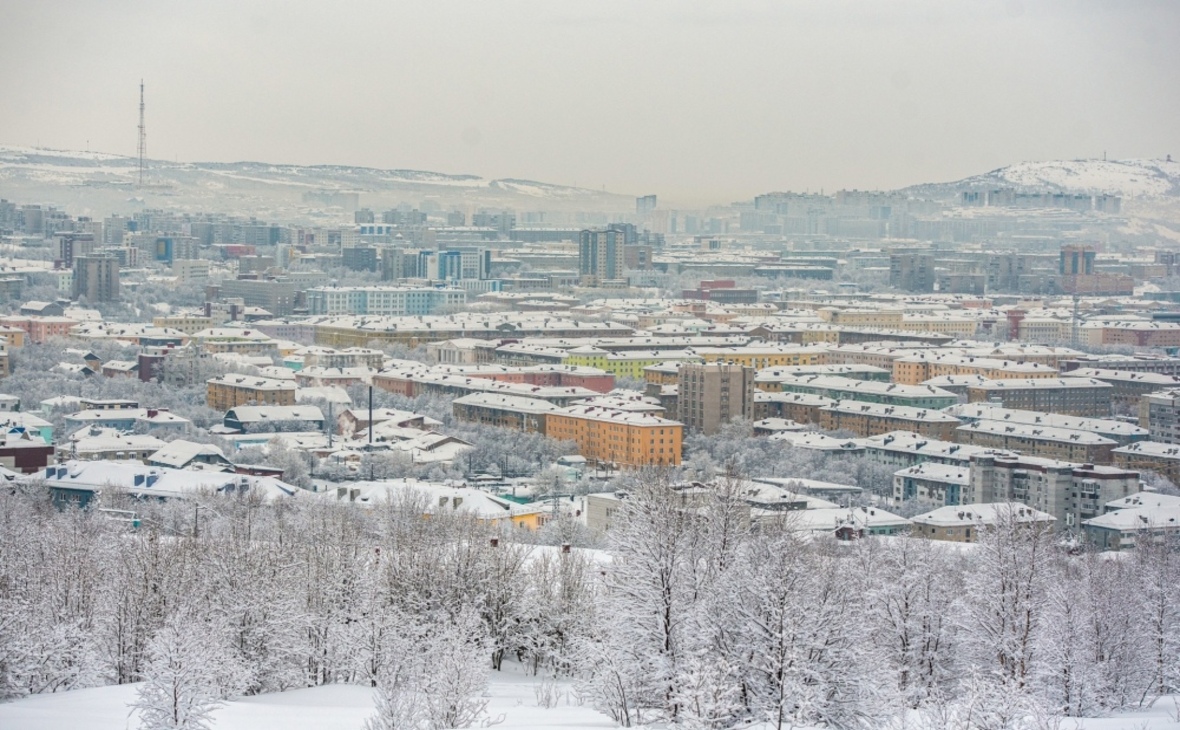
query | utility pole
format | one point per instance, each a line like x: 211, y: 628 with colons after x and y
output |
x: 1074, y: 328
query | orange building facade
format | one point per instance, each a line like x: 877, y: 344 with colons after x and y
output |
x: 628, y: 439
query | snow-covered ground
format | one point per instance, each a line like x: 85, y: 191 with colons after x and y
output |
x: 512, y: 705
x: 512, y: 697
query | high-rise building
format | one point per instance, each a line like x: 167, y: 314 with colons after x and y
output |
x: 601, y: 256
x: 359, y: 258
x: 645, y: 204
x: 71, y: 245
x: 911, y: 271
x: 96, y: 277
x: 276, y: 296
x: 713, y: 394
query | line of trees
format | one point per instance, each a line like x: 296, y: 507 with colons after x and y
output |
x: 694, y: 616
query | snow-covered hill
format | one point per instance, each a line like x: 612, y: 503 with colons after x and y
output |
x: 256, y: 188
x: 1126, y: 178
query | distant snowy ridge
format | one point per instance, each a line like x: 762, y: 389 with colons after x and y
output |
x: 1125, y: 178
x: 39, y: 168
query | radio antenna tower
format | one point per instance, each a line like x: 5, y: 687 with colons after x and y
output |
x: 142, y: 137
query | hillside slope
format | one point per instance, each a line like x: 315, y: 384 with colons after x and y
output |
x: 107, y: 182
x: 1126, y: 178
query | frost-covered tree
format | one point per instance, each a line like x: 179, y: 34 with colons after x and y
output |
x: 1004, y: 610
x: 455, y: 679
x: 181, y: 688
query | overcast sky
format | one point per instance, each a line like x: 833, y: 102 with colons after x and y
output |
x: 693, y: 101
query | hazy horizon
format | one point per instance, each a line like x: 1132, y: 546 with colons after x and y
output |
x: 694, y: 102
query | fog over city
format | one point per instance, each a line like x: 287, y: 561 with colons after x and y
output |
x: 590, y: 365
x: 703, y: 102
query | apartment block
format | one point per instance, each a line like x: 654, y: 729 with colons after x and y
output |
x: 276, y: 296
x: 712, y: 395
x: 189, y: 324
x: 601, y: 256
x: 1161, y: 458
x: 903, y: 449
x: 799, y: 407
x: 1073, y: 396
x: 96, y: 277
x: 504, y: 411
x: 966, y: 523
x: 869, y: 391
x: 1045, y: 441
x: 1129, y: 386
x: 231, y: 391
x: 920, y: 368
x: 1159, y: 413
x: 390, y: 301
x: 626, y: 439
x: 759, y: 355
x: 873, y: 419
x: 1069, y: 491
x: 935, y: 485
x: 1120, y: 432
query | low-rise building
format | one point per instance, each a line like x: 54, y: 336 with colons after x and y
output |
x: 357, y: 420
x: 964, y: 523
x: 760, y: 355
x: 771, y: 426
x: 935, y: 485
x: 258, y: 418
x: 24, y: 451
x: 801, y: 407
x: 1163, y: 459
x: 1069, y: 491
x: 1073, y: 396
x: 81, y: 482
x: 153, y: 420
x: 1128, y: 386
x: 815, y: 441
x: 230, y: 391
x: 182, y: 454
x: 477, y: 504
x: 319, y: 377
x: 1159, y: 414
x: 771, y: 379
x: 413, y: 381
x: 393, y: 301
x: 869, y: 391
x: 1120, y: 432
x: 1124, y: 529
x: 919, y: 368
x: 504, y: 411
x: 872, y: 419
x: 900, y: 449
x: 105, y: 444
x: 624, y: 438
x: 1051, y: 443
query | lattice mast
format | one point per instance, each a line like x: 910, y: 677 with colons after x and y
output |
x: 142, y: 138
